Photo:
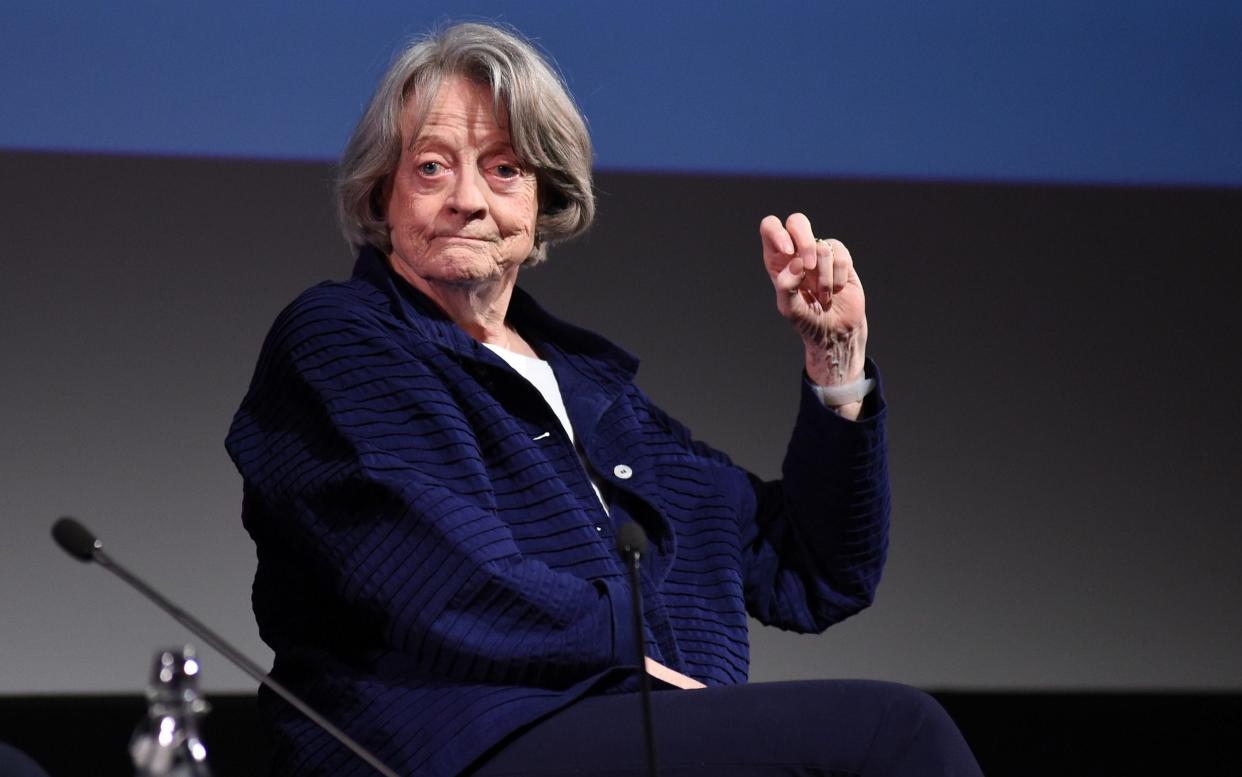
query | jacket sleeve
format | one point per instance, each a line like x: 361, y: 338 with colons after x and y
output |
x: 368, y: 501
x: 814, y: 542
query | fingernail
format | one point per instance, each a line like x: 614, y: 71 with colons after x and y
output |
x: 788, y: 248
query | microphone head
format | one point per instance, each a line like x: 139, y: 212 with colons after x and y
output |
x: 75, y: 539
x: 631, y: 538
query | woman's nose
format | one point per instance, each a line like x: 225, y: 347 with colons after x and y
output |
x: 466, y: 196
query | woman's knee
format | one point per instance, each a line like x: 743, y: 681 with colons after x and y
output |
x: 912, y: 703
x: 917, y: 735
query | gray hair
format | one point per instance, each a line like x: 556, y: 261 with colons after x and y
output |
x: 547, y: 131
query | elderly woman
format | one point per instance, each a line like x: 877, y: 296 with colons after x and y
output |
x: 435, y: 469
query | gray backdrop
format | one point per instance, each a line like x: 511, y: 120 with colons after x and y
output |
x: 1061, y: 366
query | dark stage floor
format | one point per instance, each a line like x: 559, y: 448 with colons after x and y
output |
x: 1013, y: 734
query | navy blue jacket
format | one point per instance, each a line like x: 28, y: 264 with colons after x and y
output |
x: 434, y: 569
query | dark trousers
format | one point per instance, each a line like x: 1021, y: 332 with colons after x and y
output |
x: 837, y: 728
x: 15, y: 763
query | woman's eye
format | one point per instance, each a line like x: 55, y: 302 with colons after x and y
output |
x: 430, y: 168
x: 508, y: 171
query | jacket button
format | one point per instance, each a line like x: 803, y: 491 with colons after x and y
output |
x: 622, y: 471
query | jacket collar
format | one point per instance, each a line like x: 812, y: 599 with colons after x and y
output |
x: 564, y: 345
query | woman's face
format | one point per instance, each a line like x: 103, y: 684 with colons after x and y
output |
x: 461, y: 207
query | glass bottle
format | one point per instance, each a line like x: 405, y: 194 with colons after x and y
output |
x: 166, y: 743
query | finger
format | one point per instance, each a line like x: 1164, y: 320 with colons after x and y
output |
x: 823, y: 249
x: 790, y: 277
x: 799, y: 228
x: 842, y: 264
x: 792, y: 296
x: 778, y: 247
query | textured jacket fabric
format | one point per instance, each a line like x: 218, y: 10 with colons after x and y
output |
x: 434, y: 568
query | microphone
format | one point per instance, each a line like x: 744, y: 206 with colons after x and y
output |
x: 76, y: 540
x: 632, y: 544
x: 631, y: 540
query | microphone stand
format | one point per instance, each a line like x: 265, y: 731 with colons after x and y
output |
x: 77, y: 541
x: 632, y: 542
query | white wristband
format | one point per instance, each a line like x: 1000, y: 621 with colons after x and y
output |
x: 836, y: 396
